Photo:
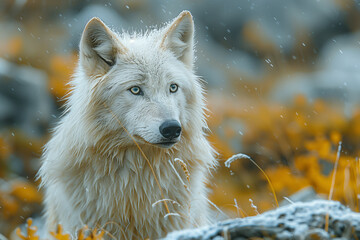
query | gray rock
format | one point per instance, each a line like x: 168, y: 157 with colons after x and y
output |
x: 218, y: 65
x: 25, y: 99
x: 337, y: 80
x: 279, y: 20
x: 307, y: 194
x: 296, y: 221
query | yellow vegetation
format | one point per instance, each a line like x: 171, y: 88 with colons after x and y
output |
x: 84, y: 234
x: 297, y: 147
x: 61, y: 69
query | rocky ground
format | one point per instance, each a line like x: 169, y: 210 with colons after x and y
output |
x: 312, y: 220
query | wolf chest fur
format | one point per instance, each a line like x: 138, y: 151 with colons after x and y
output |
x: 133, y: 121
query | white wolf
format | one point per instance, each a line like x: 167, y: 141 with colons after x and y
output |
x: 127, y: 89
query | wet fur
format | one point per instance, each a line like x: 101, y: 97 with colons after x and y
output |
x: 93, y: 173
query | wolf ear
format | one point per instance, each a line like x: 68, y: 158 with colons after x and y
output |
x: 178, y: 37
x: 98, y: 47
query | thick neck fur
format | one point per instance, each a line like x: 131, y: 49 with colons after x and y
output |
x: 116, y: 181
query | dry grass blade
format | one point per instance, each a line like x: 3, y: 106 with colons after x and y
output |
x: 115, y: 223
x: 333, y: 184
x: 172, y: 214
x: 353, y: 233
x: 216, y: 207
x: 184, y: 168
x: 169, y: 200
x: 357, y: 182
x: 177, y: 174
x: 239, y: 210
x: 244, y: 156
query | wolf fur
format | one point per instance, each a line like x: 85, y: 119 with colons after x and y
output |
x: 92, y: 171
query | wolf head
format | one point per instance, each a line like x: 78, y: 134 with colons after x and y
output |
x: 143, y: 83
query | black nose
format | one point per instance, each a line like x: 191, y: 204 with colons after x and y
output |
x: 170, y: 129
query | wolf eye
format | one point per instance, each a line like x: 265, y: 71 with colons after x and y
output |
x: 173, y: 87
x: 136, y: 90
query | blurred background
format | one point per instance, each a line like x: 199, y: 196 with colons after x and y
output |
x: 283, y: 81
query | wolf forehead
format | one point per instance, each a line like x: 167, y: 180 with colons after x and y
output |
x: 146, y: 60
x: 152, y: 67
